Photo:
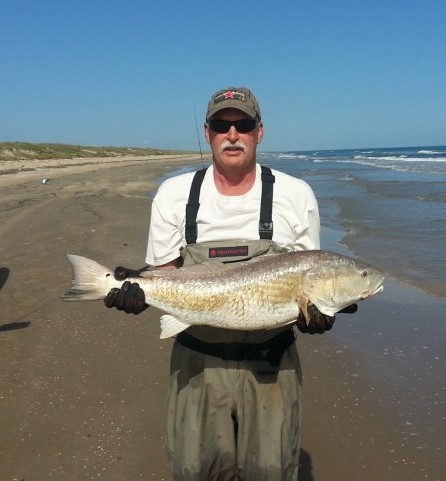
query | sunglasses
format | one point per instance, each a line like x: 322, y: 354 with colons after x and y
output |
x: 242, y: 126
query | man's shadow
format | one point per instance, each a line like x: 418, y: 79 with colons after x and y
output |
x: 305, y: 466
x: 4, y: 274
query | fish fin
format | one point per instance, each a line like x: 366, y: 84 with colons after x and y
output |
x: 171, y: 326
x: 89, y: 282
x: 303, y: 306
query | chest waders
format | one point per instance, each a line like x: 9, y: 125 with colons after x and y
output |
x: 267, y: 350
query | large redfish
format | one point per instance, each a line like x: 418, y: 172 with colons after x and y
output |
x: 264, y: 293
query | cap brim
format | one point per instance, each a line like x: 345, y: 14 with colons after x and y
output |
x: 231, y: 105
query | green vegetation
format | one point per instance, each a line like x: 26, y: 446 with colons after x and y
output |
x: 29, y: 151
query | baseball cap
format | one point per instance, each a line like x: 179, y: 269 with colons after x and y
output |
x: 240, y: 98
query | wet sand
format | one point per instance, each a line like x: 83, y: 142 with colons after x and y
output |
x: 83, y: 388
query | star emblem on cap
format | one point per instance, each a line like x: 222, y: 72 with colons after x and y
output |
x: 229, y: 94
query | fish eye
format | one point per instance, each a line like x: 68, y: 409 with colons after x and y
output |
x: 364, y: 274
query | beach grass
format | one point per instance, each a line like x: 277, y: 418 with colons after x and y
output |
x: 11, y: 151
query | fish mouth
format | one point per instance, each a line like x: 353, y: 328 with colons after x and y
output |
x: 369, y: 292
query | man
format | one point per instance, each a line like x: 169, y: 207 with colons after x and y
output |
x: 234, y: 405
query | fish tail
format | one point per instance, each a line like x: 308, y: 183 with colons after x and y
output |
x: 90, y: 280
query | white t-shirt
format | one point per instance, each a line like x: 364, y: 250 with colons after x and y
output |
x: 222, y: 217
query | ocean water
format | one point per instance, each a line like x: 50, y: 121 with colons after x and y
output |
x: 389, y: 206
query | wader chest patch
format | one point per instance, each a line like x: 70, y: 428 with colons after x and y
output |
x: 233, y: 251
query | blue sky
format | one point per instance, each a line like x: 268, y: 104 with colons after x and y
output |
x: 328, y: 74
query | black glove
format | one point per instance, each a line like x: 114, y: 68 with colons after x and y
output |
x: 351, y: 309
x: 319, y: 323
x: 129, y: 297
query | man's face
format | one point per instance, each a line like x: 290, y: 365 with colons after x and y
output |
x: 232, y: 148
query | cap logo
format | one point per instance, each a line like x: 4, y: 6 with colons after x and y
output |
x: 230, y: 94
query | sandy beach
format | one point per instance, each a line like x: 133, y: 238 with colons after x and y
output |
x: 83, y: 388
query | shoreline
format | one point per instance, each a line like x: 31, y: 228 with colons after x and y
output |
x: 21, y: 170
x: 84, y: 388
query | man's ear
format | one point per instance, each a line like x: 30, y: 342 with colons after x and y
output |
x: 260, y: 132
x: 206, y: 132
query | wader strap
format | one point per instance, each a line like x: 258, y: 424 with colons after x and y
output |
x: 269, y: 352
x: 266, y: 206
x: 192, y: 207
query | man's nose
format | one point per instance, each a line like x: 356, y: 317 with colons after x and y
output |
x: 232, y: 134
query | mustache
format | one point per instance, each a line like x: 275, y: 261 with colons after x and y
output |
x: 238, y: 145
